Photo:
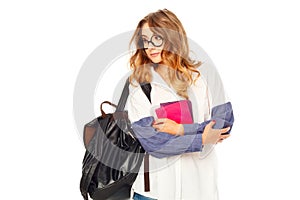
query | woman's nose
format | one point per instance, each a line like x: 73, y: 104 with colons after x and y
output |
x: 150, y: 45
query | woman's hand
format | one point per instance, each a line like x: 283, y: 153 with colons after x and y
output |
x: 213, y: 136
x: 209, y: 136
x: 168, y: 126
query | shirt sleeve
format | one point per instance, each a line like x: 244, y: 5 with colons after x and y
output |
x: 160, y: 144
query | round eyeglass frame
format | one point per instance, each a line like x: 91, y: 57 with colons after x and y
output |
x: 143, y: 40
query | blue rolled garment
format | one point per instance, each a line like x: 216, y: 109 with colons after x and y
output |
x: 161, y: 144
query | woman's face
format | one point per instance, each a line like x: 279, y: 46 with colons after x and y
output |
x: 153, y: 44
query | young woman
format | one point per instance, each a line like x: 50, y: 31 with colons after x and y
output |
x: 182, y: 161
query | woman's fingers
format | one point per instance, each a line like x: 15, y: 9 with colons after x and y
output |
x: 157, y: 126
x: 213, y: 136
x: 211, y: 124
x: 224, y: 130
x: 222, y: 138
x: 220, y: 141
x: 168, y: 126
x: 159, y: 121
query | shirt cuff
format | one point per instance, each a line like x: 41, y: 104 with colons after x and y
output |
x: 196, y: 128
x: 196, y: 145
x: 190, y: 129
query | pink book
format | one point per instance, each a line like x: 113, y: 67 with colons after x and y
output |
x: 178, y: 111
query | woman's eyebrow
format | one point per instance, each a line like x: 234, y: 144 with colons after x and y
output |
x: 145, y: 36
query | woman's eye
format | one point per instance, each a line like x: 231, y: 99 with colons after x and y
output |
x: 145, y: 41
x: 157, y: 37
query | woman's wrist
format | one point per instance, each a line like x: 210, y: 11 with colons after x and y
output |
x: 180, y: 130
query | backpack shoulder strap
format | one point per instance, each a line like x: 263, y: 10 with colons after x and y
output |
x: 146, y: 87
x: 124, y: 96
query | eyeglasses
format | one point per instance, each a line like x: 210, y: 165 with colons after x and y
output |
x: 155, y: 40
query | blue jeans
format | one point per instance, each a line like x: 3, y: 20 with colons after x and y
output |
x: 137, y: 196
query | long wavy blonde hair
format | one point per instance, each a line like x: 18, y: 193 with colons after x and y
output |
x: 175, y: 52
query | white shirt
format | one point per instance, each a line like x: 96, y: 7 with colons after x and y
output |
x: 190, y: 176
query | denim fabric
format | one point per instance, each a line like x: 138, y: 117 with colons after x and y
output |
x: 137, y: 196
x: 160, y: 144
x: 223, y: 115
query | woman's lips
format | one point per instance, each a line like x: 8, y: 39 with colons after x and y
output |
x: 154, y: 54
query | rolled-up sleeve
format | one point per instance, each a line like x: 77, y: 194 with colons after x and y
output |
x: 160, y: 144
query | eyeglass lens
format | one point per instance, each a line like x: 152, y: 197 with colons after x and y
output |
x: 155, y: 40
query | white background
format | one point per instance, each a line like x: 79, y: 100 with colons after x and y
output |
x: 254, y: 44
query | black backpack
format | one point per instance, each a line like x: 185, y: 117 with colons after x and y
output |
x: 113, y: 155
